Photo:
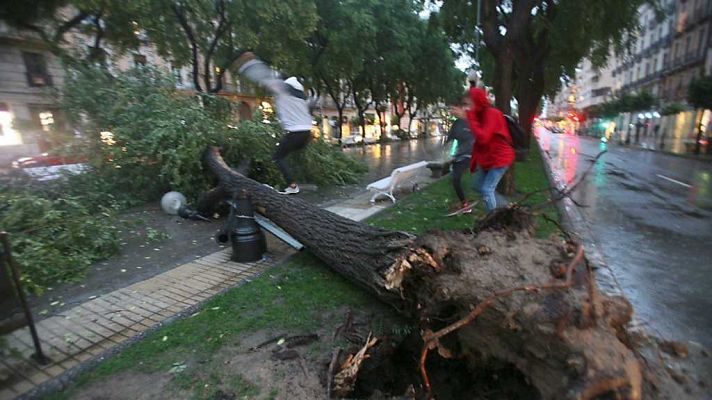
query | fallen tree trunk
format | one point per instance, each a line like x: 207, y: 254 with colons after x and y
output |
x: 498, y: 294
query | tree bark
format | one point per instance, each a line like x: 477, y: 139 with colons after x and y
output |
x: 179, y: 12
x: 563, y: 338
x: 381, y: 112
x: 503, y: 81
x: 361, y: 252
x: 699, y: 132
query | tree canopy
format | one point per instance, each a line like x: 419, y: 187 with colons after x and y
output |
x: 372, y: 52
x: 700, y: 93
x: 642, y: 101
x: 208, y: 35
x: 533, y: 44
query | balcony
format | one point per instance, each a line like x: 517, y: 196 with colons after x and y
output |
x: 699, y: 15
x: 683, y: 62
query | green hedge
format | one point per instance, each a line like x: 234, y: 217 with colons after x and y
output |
x: 156, y: 141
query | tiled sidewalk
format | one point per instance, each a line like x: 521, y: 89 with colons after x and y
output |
x: 102, y: 323
x: 96, y: 327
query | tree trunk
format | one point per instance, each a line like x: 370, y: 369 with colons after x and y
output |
x: 362, y: 124
x: 503, y: 80
x: 381, y: 123
x: 360, y: 252
x: 529, y: 101
x: 506, y: 185
x: 556, y: 329
x: 340, y: 112
x: 699, y: 132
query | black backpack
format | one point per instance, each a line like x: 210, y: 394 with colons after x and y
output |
x: 519, y: 138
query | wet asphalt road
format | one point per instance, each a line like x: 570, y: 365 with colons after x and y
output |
x: 651, y: 216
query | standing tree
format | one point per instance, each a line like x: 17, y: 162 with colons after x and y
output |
x: 53, y: 21
x: 360, y: 85
x: 433, y: 78
x: 535, y: 43
x: 209, y: 35
x: 700, y: 96
x: 335, y: 51
x: 393, y: 59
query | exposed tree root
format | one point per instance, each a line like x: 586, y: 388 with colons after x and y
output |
x: 345, y: 379
x: 565, y: 338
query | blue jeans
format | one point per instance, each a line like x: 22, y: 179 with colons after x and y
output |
x: 486, y: 183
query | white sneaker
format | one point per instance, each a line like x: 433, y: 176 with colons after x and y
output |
x: 290, y: 190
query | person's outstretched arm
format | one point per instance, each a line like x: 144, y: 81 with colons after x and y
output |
x: 257, y: 71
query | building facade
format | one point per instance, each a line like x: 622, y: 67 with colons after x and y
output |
x: 668, y: 53
x: 27, y: 113
x: 596, y: 85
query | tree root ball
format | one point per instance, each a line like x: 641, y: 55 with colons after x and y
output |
x: 563, y: 339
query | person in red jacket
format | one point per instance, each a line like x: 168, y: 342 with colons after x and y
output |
x: 493, y: 152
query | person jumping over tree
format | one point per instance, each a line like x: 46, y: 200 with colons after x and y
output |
x: 293, y: 112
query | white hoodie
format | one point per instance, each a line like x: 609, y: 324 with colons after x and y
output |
x: 291, y: 103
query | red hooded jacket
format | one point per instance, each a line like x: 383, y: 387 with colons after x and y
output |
x: 493, y: 144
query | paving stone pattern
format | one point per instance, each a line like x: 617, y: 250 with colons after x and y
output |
x: 97, y: 326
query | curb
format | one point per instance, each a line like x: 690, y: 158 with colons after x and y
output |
x: 575, y: 223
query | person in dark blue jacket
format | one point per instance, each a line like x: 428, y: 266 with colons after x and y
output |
x: 463, y: 140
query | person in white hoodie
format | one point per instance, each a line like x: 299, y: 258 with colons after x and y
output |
x: 293, y: 111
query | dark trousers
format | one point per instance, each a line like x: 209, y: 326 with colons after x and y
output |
x: 291, y: 142
x: 459, y: 168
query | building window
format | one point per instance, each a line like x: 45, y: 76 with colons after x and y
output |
x: 36, y: 68
x: 47, y: 119
x: 139, y: 60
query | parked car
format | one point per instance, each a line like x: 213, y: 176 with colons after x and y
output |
x: 46, y: 167
x: 351, y: 140
x: 46, y: 160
